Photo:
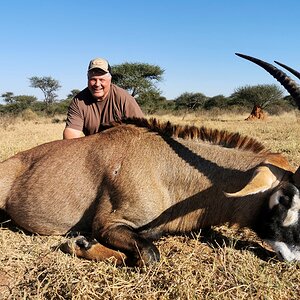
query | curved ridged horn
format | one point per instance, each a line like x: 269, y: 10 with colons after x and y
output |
x: 294, y: 72
x: 290, y: 85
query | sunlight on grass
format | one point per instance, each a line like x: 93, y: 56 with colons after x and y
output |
x: 224, y: 263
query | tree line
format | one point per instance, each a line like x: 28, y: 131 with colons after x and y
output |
x: 140, y: 80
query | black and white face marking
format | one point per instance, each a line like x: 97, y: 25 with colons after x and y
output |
x: 284, y: 251
x: 289, y: 198
x: 279, y: 223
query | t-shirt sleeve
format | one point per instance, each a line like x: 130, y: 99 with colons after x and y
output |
x: 132, y: 109
x: 74, y: 116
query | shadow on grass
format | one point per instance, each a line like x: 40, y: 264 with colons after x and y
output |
x: 215, y: 239
x: 210, y: 236
x: 6, y: 222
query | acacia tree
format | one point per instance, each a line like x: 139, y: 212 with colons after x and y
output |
x: 137, y: 78
x: 8, y: 97
x: 73, y: 93
x: 152, y: 101
x: 190, y: 101
x: 259, y: 96
x: 218, y: 101
x: 47, y: 85
x: 16, y: 104
x: 23, y: 100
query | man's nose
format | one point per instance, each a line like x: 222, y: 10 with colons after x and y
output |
x: 98, y: 82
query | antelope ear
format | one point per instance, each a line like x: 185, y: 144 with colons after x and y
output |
x: 296, y: 177
x: 263, y: 179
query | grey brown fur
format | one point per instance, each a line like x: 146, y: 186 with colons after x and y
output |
x: 133, y: 183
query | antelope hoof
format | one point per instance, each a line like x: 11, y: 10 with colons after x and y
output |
x: 83, y: 243
x: 148, y: 256
x: 75, y: 244
x: 92, y: 250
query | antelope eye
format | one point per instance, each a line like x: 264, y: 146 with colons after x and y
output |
x: 285, y: 201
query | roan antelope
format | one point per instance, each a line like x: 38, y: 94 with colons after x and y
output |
x: 132, y: 183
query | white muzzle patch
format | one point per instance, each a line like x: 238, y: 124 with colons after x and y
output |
x: 285, y: 251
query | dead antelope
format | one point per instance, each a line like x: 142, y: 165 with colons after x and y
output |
x: 133, y: 183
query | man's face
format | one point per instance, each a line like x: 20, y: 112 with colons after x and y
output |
x: 99, y: 84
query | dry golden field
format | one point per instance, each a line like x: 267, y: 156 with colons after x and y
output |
x: 222, y: 263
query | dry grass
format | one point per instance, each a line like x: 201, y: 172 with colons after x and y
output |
x: 222, y: 263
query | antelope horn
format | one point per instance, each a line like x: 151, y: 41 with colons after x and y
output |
x: 290, y: 85
x: 263, y: 179
x: 294, y: 72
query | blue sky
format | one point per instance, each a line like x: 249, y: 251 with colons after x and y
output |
x: 194, y: 41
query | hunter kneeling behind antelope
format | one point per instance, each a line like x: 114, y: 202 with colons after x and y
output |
x: 135, y: 182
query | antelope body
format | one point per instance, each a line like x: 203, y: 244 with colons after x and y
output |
x: 133, y: 183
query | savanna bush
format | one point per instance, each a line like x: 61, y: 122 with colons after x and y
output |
x: 29, y: 115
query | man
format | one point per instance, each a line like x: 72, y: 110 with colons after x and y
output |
x: 99, y: 104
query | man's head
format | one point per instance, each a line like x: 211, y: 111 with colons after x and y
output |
x: 99, y: 78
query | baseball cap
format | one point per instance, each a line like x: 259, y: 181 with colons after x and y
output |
x: 99, y: 63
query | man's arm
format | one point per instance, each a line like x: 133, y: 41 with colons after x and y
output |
x: 74, y: 122
x: 132, y: 109
x: 70, y: 133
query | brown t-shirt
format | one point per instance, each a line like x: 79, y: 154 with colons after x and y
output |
x: 91, y: 116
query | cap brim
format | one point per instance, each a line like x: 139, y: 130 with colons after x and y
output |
x: 97, y: 68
